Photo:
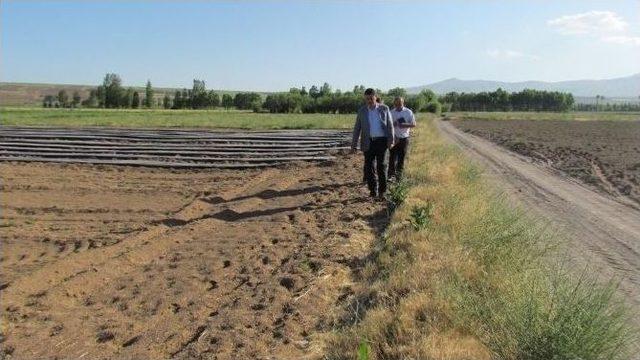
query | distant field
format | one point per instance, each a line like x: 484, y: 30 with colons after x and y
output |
x: 603, y: 154
x: 579, y: 116
x: 171, y: 118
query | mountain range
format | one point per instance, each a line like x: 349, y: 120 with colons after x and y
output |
x: 623, y: 87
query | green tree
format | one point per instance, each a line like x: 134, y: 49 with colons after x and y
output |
x: 48, y: 101
x: 76, y: 99
x: 314, y: 92
x: 227, y: 101
x: 135, y: 100
x: 415, y: 103
x: 325, y: 89
x: 198, y: 94
x: 92, y: 100
x: 112, y: 90
x: 398, y: 91
x: 166, y: 101
x: 177, y: 100
x: 428, y: 95
x: 127, y: 98
x: 213, y: 99
x: 247, y: 101
x: 63, y: 98
x: 148, y: 95
x: 101, y: 97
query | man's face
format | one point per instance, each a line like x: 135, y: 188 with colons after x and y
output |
x: 398, y: 103
x: 370, y: 99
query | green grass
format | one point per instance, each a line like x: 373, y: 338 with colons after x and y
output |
x: 171, y: 118
x: 573, y: 116
x: 460, y: 274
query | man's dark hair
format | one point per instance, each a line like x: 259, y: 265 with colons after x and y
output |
x: 369, y: 91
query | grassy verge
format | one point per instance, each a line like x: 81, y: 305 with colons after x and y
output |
x: 172, y: 118
x: 573, y: 116
x: 460, y: 275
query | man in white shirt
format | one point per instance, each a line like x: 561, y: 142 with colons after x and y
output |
x: 403, y: 121
x: 374, y: 129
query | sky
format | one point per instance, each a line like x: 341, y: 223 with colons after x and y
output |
x: 275, y: 45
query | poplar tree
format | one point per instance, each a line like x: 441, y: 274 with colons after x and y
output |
x: 148, y: 100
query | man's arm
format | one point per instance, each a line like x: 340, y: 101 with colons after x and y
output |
x: 390, y: 130
x: 411, y: 123
x: 356, y: 132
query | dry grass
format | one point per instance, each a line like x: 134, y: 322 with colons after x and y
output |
x: 475, y: 282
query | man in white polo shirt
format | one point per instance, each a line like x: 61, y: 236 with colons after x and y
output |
x: 403, y: 121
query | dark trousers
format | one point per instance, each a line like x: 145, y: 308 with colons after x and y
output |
x: 374, y: 162
x: 396, y: 158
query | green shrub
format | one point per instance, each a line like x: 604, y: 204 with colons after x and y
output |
x: 421, y: 216
x: 398, y: 192
x: 433, y: 107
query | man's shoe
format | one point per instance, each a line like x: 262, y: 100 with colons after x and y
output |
x: 373, y: 194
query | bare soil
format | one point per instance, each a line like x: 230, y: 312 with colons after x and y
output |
x: 106, y: 262
x: 603, y: 154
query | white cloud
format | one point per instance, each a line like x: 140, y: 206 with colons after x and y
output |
x: 592, y: 22
x: 505, y: 54
x: 625, y: 40
x: 607, y: 26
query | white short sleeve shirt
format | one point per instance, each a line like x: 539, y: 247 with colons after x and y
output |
x: 404, y: 116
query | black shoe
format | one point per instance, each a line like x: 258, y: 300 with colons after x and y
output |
x: 373, y: 194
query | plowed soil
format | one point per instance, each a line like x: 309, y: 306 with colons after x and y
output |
x: 603, y: 154
x: 119, y: 262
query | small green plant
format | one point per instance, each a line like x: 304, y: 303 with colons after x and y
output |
x: 363, y: 350
x: 398, y: 192
x: 421, y: 216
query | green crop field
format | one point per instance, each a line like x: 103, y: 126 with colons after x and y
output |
x: 171, y: 118
x: 571, y: 115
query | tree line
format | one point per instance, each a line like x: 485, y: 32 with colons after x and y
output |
x: 324, y: 100
x: 111, y: 94
x: 500, y: 100
x: 627, y: 106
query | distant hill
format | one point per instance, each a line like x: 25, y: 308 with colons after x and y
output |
x: 624, y: 87
x: 28, y: 94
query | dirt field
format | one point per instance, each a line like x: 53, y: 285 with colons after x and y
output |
x: 101, y: 262
x: 602, y: 234
x: 604, y: 154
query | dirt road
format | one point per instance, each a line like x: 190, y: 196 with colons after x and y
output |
x: 140, y: 263
x: 603, y: 234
